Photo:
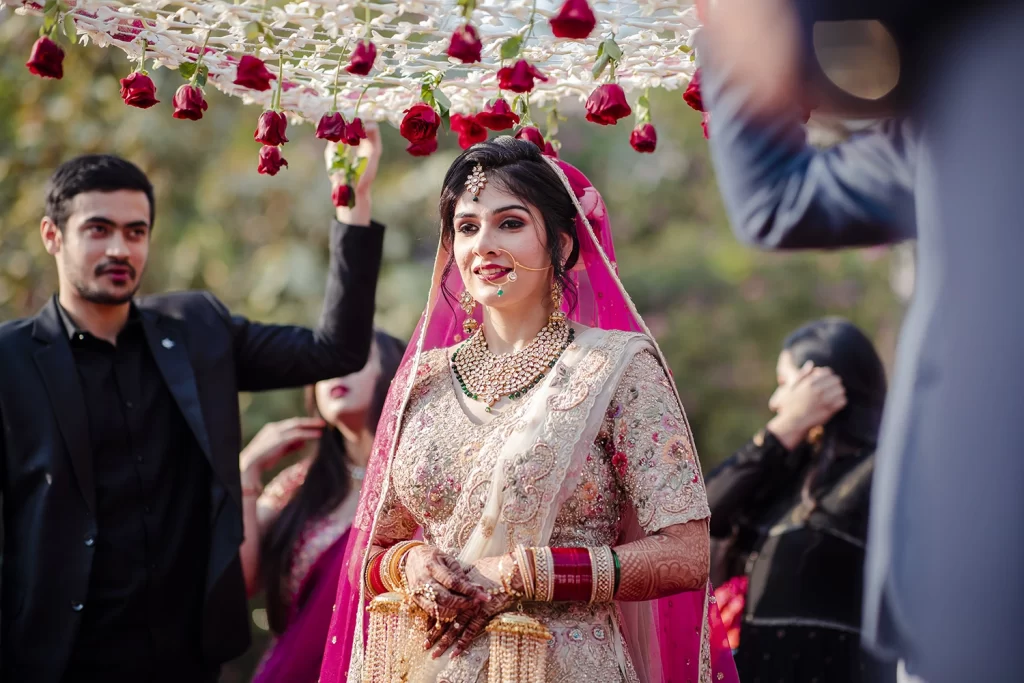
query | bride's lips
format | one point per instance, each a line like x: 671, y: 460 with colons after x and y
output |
x: 491, y: 273
x: 339, y: 391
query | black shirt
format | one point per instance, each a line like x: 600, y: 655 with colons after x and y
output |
x: 141, y: 617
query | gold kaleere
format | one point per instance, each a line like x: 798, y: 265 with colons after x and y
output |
x: 518, y: 649
x: 391, y: 642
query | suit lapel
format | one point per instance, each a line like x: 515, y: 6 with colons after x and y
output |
x: 167, y: 344
x: 60, y: 375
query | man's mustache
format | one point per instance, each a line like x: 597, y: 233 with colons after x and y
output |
x: 111, y: 265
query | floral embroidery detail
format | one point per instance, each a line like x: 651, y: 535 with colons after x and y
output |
x: 620, y: 462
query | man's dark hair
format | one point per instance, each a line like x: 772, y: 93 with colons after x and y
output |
x: 93, y: 173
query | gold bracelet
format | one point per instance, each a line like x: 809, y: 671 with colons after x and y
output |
x: 544, y: 567
x: 602, y: 568
x: 506, y: 579
x: 526, y: 571
x: 389, y: 571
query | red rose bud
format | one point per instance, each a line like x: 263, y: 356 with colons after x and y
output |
x: 270, y: 129
x: 422, y: 149
x: 465, y: 45
x: 574, y: 20
x: 47, y: 59
x: 354, y: 132
x: 469, y: 129
x: 692, y: 94
x: 252, y: 73
x: 420, y: 123
x: 607, y: 105
x: 138, y: 90
x: 362, y: 58
x: 331, y: 127
x: 550, y: 151
x: 342, y: 195
x: 531, y: 134
x: 497, y: 116
x: 271, y: 160
x: 189, y: 103
x: 519, y: 78
x: 644, y: 138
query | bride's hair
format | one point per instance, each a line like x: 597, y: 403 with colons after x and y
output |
x: 517, y: 167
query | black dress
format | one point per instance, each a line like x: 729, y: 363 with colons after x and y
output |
x: 803, y: 611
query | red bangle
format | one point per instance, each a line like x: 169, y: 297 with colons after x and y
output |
x: 376, y: 582
x: 573, y: 575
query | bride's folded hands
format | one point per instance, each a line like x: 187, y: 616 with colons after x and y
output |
x: 440, y: 585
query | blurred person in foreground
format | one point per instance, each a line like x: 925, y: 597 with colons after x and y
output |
x: 943, y: 529
x: 789, y: 515
x: 119, y: 441
x: 297, y: 527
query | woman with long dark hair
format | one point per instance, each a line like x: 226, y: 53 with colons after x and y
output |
x: 789, y: 514
x: 295, y: 540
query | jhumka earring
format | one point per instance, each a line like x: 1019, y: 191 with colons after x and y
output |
x: 476, y: 181
x: 557, y: 315
x: 468, y: 304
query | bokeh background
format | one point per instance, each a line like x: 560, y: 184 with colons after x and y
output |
x: 719, y: 309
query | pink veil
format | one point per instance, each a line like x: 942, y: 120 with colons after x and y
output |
x: 666, y: 642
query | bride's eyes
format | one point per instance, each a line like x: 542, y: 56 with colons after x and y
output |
x: 507, y: 224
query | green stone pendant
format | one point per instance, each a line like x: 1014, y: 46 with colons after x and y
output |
x: 501, y: 292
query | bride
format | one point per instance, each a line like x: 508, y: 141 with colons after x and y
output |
x: 535, y: 442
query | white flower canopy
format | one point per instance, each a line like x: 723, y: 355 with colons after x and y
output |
x: 312, y: 40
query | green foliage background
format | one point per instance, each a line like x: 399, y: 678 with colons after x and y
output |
x: 719, y: 309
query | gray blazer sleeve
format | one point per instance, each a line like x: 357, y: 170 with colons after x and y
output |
x: 782, y: 193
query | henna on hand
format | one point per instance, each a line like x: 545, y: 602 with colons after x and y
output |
x: 673, y: 560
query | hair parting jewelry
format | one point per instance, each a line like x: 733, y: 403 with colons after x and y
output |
x: 476, y: 182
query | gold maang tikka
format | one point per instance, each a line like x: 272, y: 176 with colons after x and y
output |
x: 476, y: 181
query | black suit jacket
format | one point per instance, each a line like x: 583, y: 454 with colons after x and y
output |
x: 206, y: 356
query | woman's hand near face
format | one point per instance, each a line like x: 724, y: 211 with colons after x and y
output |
x: 810, y: 400
x: 276, y: 440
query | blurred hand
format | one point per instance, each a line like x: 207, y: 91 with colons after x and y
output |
x: 370, y: 149
x: 808, y: 401
x: 759, y: 40
x: 276, y: 440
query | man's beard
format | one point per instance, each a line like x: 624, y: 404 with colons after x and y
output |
x: 98, y: 296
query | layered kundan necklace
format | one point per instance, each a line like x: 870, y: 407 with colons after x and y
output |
x: 486, y: 377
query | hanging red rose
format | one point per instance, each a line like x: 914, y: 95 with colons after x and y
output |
x: 252, y: 73
x: 189, y: 103
x: 422, y: 149
x: 574, y: 20
x: 138, y: 90
x: 465, y: 45
x: 420, y: 123
x: 271, y: 128
x: 644, y: 138
x: 607, y: 104
x: 469, y: 129
x: 342, y: 195
x: 46, y: 59
x: 531, y: 134
x: 692, y: 94
x: 271, y: 160
x: 331, y: 127
x: 362, y: 58
x: 519, y: 77
x: 354, y: 132
x: 550, y: 151
x: 497, y: 116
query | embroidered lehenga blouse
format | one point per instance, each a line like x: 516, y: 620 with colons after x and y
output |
x: 640, y: 467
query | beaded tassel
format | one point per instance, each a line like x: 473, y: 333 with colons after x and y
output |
x: 518, y: 649
x: 390, y: 645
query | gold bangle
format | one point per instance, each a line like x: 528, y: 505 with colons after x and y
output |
x: 602, y: 568
x: 526, y: 571
x: 389, y: 566
x: 544, y: 565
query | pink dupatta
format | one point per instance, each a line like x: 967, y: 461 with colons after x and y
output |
x: 679, y: 639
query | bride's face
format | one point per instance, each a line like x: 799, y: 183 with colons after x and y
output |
x: 488, y: 233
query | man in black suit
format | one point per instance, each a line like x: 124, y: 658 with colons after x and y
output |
x: 941, y: 589
x: 120, y: 434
